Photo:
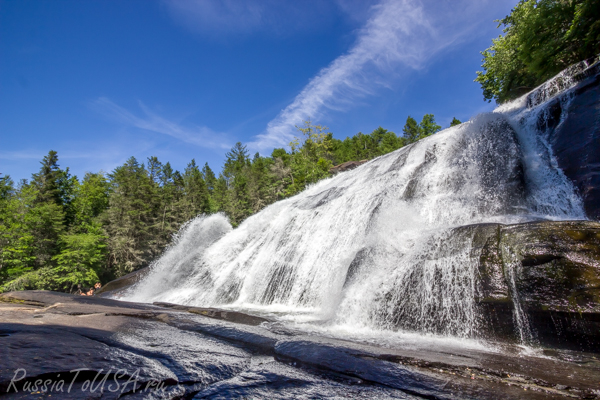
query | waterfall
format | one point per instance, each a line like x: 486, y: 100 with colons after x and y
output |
x: 379, y: 247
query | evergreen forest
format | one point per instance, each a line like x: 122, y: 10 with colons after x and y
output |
x: 60, y: 232
x: 63, y: 232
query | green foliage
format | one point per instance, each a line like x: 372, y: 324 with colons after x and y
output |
x: 311, y: 156
x: 59, y: 233
x: 365, y: 146
x: 80, y: 261
x: 6, y: 187
x: 541, y: 38
x: 413, y: 131
x: 46, y: 181
x: 41, y: 278
x: 131, y: 217
x: 236, y: 173
x: 455, y: 122
x: 16, y: 239
x: 91, y: 198
x: 428, y: 126
x: 196, y: 196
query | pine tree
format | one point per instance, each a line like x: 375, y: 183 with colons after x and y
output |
x: 411, y: 130
x: 260, y: 183
x: 211, y: 181
x: 196, y: 191
x: 428, y: 127
x: 45, y: 204
x: 220, y: 196
x: 46, y: 180
x: 236, y: 171
x: 154, y: 169
x: 131, y: 217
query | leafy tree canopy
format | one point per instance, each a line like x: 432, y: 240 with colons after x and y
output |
x: 541, y: 38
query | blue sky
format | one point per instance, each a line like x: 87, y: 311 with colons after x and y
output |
x: 100, y: 81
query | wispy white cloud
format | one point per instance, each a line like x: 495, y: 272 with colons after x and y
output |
x: 39, y: 155
x: 400, y: 35
x: 198, y: 135
x: 21, y: 155
x: 220, y: 18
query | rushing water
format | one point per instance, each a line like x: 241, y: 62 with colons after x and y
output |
x: 376, y: 248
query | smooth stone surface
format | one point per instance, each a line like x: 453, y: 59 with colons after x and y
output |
x: 216, y: 313
x: 575, y: 139
x: 553, y: 270
x: 193, y: 356
x: 346, y: 166
x: 122, y: 283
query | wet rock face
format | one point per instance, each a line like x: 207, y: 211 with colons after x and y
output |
x: 560, y: 265
x: 576, y: 140
x: 551, y: 270
x: 165, y: 352
x: 347, y: 166
x: 121, y: 284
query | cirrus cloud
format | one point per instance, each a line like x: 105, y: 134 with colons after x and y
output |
x: 399, y: 36
x: 198, y: 135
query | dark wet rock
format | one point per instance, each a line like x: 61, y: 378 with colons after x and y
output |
x: 553, y: 271
x: 347, y: 166
x: 50, y: 353
x: 122, y: 283
x: 576, y: 72
x: 269, y: 379
x: 363, y: 257
x: 573, y: 130
x: 321, y: 199
x: 226, y: 315
x: 560, y: 264
x: 366, y: 367
x: 549, y: 271
x: 193, y: 356
x: 557, y: 279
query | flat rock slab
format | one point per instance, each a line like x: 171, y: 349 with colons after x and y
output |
x: 226, y: 315
x: 169, y: 351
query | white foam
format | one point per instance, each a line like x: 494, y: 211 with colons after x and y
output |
x: 374, y: 249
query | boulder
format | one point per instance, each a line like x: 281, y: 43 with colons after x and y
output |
x: 123, y: 283
x: 541, y: 277
x: 347, y: 166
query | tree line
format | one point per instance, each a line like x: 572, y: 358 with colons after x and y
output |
x: 59, y: 232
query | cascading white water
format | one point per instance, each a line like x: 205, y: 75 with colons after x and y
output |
x: 376, y: 247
